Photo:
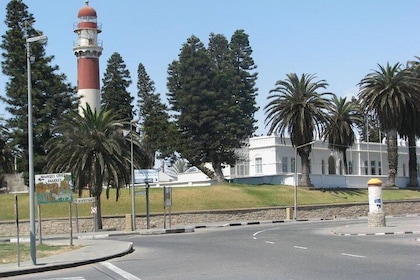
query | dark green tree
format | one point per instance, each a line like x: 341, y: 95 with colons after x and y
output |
x: 298, y: 109
x: 116, y: 81
x: 340, y: 128
x: 388, y: 94
x: 6, y: 155
x: 52, y: 96
x: 157, y: 132
x: 212, y: 90
x: 94, y: 149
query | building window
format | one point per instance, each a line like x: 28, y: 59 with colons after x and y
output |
x: 284, y: 164
x: 258, y: 165
x: 241, y: 168
x: 373, y: 167
x: 350, y: 166
x: 293, y: 165
x: 341, y: 167
x: 366, y: 167
x: 331, y: 166
x: 322, y: 167
x: 403, y: 169
x: 379, y: 168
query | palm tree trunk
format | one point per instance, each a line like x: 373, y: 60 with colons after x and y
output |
x: 346, y: 168
x: 98, y: 214
x: 392, y: 148
x: 412, y: 162
x: 305, y: 180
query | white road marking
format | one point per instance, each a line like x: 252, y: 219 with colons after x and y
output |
x: 69, y: 278
x: 351, y: 255
x: 299, y: 247
x: 119, y: 271
x: 269, y: 242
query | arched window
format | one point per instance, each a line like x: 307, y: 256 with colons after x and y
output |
x: 331, y: 165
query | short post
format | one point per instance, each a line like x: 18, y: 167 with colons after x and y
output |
x: 128, y: 222
x: 289, y: 213
x: 376, y: 215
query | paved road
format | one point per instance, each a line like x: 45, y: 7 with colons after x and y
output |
x: 306, y: 250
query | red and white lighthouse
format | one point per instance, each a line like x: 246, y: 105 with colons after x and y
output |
x: 88, y: 50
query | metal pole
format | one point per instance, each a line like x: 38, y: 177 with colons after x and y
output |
x: 32, y: 231
x: 39, y: 224
x: 31, y: 161
x: 296, y: 177
x: 71, y: 225
x: 17, y: 230
x: 164, y: 207
x: 147, y: 206
x: 133, y: 198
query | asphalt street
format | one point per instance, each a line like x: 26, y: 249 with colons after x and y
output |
x: 294, y: 250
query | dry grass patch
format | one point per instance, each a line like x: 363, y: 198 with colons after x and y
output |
x: 9, y: 251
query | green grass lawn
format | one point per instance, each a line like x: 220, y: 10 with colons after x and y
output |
x: 227, y: 196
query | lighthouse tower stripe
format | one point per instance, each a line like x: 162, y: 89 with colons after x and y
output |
x: 88, y: 73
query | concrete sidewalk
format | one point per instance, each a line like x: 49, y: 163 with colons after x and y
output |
x: 93, y: 244
x: 94, y: 248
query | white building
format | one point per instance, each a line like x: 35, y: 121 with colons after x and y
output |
x: 269, y: 160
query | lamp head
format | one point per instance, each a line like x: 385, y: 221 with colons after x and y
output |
x: 41, y: 39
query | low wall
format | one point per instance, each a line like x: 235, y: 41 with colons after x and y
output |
x: 60, y: 226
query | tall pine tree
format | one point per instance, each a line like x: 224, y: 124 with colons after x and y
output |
x: 52, y: 96
x: 157, y: 131
x: 115, y: 96
x: 213, y: 92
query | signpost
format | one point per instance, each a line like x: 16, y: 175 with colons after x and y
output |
x: 167, y: 202
x: 82, y: 200
x: 142, y: 176
x: 146, y: 176
x: 54, y: 188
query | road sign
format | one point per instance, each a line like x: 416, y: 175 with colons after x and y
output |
x: 93, y: 210
x: 167, y: 196
x: 142, y: 176
x: 83, y: 200
x: 52, y: 188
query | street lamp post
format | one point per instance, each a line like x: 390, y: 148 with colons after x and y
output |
x: 32, y: 238
x: 296, y: 177
x: 133, y: 198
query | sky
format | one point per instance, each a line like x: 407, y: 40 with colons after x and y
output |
x: 338, y: 41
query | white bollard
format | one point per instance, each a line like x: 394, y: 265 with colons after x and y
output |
x: 376, y: 216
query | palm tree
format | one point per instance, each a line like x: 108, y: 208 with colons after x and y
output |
x: 298, y: 109
x: 93, y: 148
x: 388, y: 93
x: 344, y: 118
x: 410, y: 126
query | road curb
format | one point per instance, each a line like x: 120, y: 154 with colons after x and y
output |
x: 378, y: 233
x: 39, y: 268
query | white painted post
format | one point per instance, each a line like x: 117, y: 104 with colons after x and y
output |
x: 376, y: 216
